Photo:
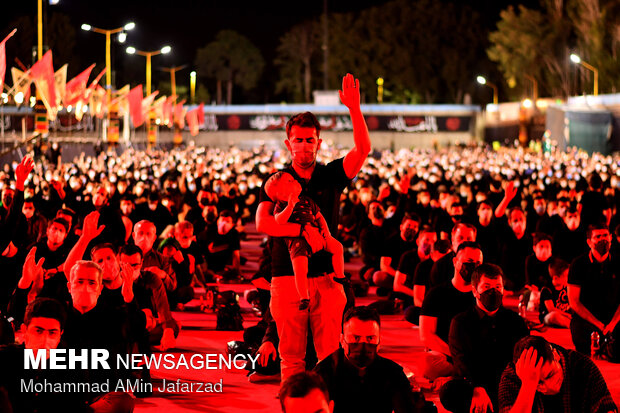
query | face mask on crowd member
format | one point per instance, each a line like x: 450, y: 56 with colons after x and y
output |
x: 599, y: 241
x: 468, y: 257
x: 144, y: 235
x: 425, y: 242
x: 409, y: 229
x: 488, y: 287
x: 85, y: 285
x: 539, y: 205
x: 7, y: 197
x: 485, y: 213
x: 303, y: 139
x: 516, y: 220
x: 572, y: 219
x: 360, y: 336
x: 56, y: 233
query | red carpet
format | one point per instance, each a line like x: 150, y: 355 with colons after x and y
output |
x: 399, y: 342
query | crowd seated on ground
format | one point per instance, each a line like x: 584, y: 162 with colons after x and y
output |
x: 158, y: 224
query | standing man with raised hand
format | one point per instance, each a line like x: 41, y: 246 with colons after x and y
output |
x: 324, y: 185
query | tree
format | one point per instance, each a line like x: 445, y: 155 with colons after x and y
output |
x: 297, y: 53
x: 231, y: 59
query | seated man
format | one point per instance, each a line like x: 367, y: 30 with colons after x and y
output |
x: 358, y: 379
x: 594, y: 290
x: 547, y: 377
x: 222, y: 249
x: 305, y: 393
x: 184, y: 268
x: 144, y: 236
x: 441, y: 305
x: 150, y: 295
x: 481, y: 343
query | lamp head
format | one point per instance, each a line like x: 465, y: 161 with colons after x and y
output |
x: 574, y: 58
x: 131, y: 50
x: 129, y: 26
x: 86, y: 27
x: 481, y: 80
x: 166, y: 49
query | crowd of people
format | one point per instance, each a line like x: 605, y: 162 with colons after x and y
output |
x: 97, y: 252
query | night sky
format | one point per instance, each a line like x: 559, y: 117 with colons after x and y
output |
x: 187, y: 25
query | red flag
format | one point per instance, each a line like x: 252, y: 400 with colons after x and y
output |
x: 192, y: 121
x: 3, y: 58
x: 76, y: 86
x: 93, y: 84
x: 179, y: 113
x: 168, y: 111
x: 42, y: 72
x: 135, y: 105
x: 201, y: 114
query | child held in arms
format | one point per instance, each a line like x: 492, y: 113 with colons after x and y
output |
x: 284, y: 190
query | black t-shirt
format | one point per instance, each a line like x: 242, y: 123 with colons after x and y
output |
x: 324, y: 188
x: 217, y: 261
x: 395, y: 247
x: 537, y: 272
x: 600, y: 285
x: 444, y: 302
x: 442, y: 270
x: 558, y: 297
x: 372, y: 244
x: 409, y: 261
x: 423, y: 274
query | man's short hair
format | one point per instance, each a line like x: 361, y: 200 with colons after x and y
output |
x: 558, y: 266
x: 300, y: 385
x: 512, y: 210
x: 486, y: 202
x: 465, y: 225
x: 60, y: 221
x: 468, y: 244
x: 68, y: 212
x: 227, y: 213
x: 130, y: 250
x: 541, y: 236
x: 362, y: 313
x: 102, y: 246
x: 595, y: 227
x: 411, y: 216
x: 305, y: 120
x: 542, y: 347
x: 88, y: 264
x: 488, y: 270
x: 46, y: 308
x: 183, y: 226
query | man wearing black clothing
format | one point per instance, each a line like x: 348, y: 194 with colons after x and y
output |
x: 569, y: 241
x: 440, y: 306
x: 372, y: 240
x: 515, y: 246
x: 594, y: 290
x: 486, y: 234
x: 324, y: 185
x: 360, y: 380
x: 443, y: 268
x: 481, y: 342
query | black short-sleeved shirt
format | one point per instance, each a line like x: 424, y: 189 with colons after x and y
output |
x: 409, y: 261
x: 600, y: 285
x: 559, y: 298
x: 444, y: 302
x: 304, y: 212
x: 395, y: 247
x: 217, y: 261
x: 324, y: 188
x: 422, y: 274
x: 537, y: 272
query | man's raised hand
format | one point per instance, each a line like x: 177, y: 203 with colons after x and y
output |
x: 350, y: 93
x: 90, y: 230
x: 22, y: 171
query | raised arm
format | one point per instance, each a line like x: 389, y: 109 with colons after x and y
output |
x: 350, y: 97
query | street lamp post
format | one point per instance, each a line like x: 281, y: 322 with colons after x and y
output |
x: 576, y: 59
x: 534, y: 87
x: 192, y: 86
x: 108, y: 59
x: 151, y: 127
x: 483, y: 81
x: 148, y: 55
